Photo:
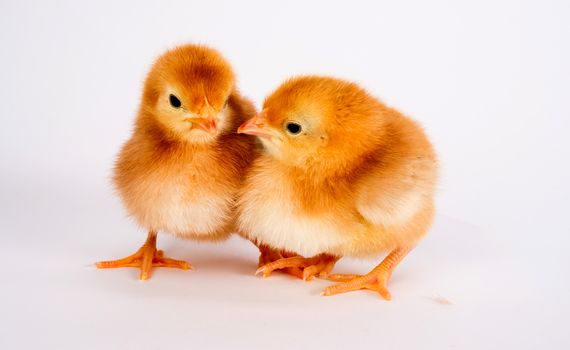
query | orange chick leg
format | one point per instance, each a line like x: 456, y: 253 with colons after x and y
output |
x: 374, y: 280
x: 145, y: 258
x: 319, y: 265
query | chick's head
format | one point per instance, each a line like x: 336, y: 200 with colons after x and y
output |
x: 187, y: 93
x: 318, y: 122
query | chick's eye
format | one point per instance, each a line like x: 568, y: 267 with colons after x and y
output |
x: 174, y: 101
x: 293, y: 128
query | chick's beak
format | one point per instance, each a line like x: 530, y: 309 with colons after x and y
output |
x: 205, y: 120
x: 256, y: 126
x: 207, y: 124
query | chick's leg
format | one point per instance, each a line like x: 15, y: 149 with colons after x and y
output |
x: 145, y: 258
x: 319, y: 265
x: 374, y: 280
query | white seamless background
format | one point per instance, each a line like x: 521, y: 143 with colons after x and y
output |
x: 489, y: 80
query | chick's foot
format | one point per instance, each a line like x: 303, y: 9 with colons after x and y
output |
x: 268, y: 255
x: 145, y: 258
x: 375, y: 280
x: 309, y: 268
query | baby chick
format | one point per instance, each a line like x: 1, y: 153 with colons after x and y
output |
x: 184, y: 163
x: 341, y: 175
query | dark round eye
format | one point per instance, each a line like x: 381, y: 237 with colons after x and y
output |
x: 174, y: 101
x: 293, y: 128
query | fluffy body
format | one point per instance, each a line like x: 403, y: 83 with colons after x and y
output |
x: 358, y: 181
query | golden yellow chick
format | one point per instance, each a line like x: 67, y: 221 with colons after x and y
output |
x: 182, y: 167
x: 341, y: 175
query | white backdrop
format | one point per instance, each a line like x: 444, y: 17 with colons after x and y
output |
x: 490, y: 81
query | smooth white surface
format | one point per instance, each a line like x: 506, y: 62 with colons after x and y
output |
x: 490, y: 81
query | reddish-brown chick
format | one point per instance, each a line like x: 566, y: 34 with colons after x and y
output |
x: 182, y: 167
x: 341, y: 175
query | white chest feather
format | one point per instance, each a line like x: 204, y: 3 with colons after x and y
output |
x: 272, y: 217
x: 178, y: 206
